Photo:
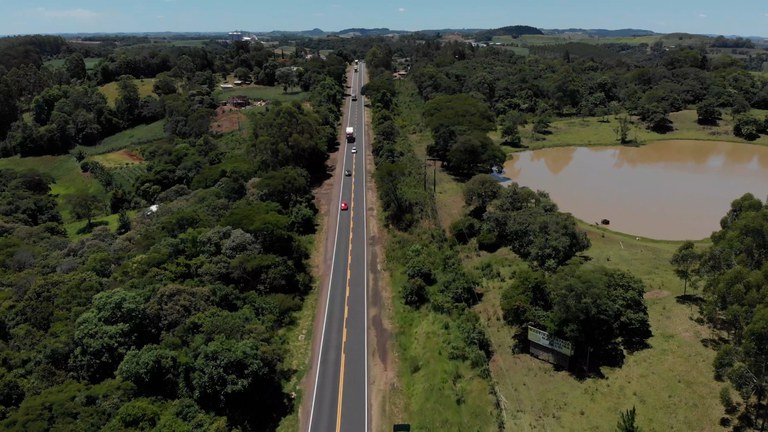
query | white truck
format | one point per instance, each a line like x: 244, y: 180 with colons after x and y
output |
x: 350, y: 134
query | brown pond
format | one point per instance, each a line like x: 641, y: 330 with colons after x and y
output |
x: 671, y: 190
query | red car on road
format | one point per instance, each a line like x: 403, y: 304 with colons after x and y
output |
x: 344, y: 205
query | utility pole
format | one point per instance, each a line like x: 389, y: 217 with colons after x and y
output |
x: 434, y: 174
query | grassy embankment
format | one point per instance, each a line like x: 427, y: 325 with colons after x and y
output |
x: 435, y: 392
x: 670, y: 383
x: 585, y: 131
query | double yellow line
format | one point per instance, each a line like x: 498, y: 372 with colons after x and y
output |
x: 346, y: 300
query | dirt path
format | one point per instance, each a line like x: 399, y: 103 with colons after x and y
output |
x: 385, y: 401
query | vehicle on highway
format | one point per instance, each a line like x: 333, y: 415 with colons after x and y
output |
x: 344, y: 206
x: 354, y: 149
x: 350, y: 134
x: 354, y: 96
x: 347, y: 173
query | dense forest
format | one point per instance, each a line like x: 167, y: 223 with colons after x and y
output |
x: 177, y: 320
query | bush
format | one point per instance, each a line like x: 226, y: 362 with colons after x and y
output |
x: 417, y: 269
x: 415, y: 293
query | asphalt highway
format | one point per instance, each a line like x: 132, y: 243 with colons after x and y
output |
x: 340, y: 393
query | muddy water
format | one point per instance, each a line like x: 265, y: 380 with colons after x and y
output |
x: 665, y: 190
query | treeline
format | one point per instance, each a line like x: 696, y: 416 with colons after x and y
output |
x: 732, y: 274
x: 436, y: 279
x: 514, y: 31
x: 738, y: 42
x: 586, y: 81
x: 16, y: 51
x: 177, y: 322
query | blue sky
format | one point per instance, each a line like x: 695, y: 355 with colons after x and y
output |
x: 748, y: 18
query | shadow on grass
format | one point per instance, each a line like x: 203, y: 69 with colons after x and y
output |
x: 513, y: 145
x: 88, y: 228
x: 690, y: 299
x: 714, y: 342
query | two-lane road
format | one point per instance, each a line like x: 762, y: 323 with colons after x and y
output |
x: 340, y: 394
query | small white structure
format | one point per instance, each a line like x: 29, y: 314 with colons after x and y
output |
x: 152, y: 210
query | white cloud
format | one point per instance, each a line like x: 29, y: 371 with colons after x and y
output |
x: 701, y: 15
x: 161, y: 17
x: 402, y: 9
x: 78, y: 14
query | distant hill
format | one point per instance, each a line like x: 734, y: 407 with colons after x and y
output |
x: 514, y: 31
x: 603, y: 32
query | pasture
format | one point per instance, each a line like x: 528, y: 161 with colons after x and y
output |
x: 257, y: 92
x: 68, y: 178
x: 110, y: 90
x: 586, y: 131
x: 671, y: 383
x: 140, y: 134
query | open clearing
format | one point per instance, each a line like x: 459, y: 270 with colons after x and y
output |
x: 66, y: 173
x: 670, y: 384
x: 144, y: 85
x: 585, y: 131
x: 261, y: 92
x: 118, y: 158
x: 140, y: 134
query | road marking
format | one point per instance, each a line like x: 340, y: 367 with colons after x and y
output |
x: 330, y: 281
x: 346, y: 304
x: 365, y: 250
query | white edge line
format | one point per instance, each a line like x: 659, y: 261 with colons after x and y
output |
x: 330, y: 281
x: 365, y: 252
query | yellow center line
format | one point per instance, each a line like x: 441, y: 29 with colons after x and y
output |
x: 346, y: 302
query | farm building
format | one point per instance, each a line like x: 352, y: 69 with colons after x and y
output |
x: 238, y: 101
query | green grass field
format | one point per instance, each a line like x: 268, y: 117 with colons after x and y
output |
x: 440, y: 394
x: 110, y: 221
x: 670, y: 384
x: 262, y: 92
x: 144, y: 85
x: 66, y: 173
x: 138, y: 135
x: 593, y: 131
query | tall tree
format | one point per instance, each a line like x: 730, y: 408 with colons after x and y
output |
x: 86, y: 206
x: 75, y: 67
x: 128, y: 101
x: 685, y: 261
